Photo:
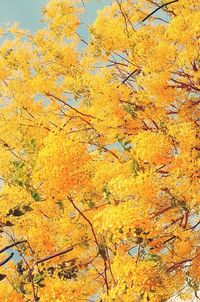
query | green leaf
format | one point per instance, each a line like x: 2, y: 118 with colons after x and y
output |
x: 174, y: 202
x: 153, y: 257
x: 38, y: 278
x: 135, y: 167
x: 91, y: 204
x: 105, y: 190
x: 20, y: 268
x: 61, y: 205
x: 35, y: 196
x: 33, y: 143
x: 18, y: 164
x: 19, y: 182
x: 22, y: 288
x: 127, y: 143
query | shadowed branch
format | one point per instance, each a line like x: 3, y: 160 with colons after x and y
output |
x: 158, y: 8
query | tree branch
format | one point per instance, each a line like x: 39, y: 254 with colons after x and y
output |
x: 68, y: 105
x: 83, y: 215
x: 155, y: 214
x: 158, y: 8
x: 95, y: 239
x: 7, y: 259
x: 11, y: 245
x: 54, y: 255
x: 132, y: 73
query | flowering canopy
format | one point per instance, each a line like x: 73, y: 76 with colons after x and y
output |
x: 99, y: 155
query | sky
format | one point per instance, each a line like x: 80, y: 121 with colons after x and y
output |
x: 28, y: 12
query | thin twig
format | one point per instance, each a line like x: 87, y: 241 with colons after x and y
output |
x: 132, y: 73
x: 68, y: 105
x: 95, y: 239
x: 83, y: 215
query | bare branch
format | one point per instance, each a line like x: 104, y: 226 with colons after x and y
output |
x: 158, y: 8
x: 68, y: 105
x: 95, y: 239
x: 83, y: 215
x: 11, y: 245
x: 7, y: 259
x: 54, y: 255
x: 130, y: 75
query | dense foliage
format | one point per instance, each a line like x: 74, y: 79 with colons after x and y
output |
x: 99, y: 154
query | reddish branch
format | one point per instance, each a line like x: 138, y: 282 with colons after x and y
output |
x: 179, y: 264
x: 95, y: 239
x: 173, y: 112
x: 83, y: 215
x: 68, y: 105
x: 169, y: 239
x: 126, y: 16
x: 105, y: 274
x: 194, y: 66
x: 123, y: 58
x: 161, y: 211
x: 109, y: 263
x: 61, y: 253
x: 175, y: 221
x: 109, y: 151
x: 186, y: 219
x: 185, y: 85
x: 54, y: 255
x: 181, y: 220
x: 138, y: 254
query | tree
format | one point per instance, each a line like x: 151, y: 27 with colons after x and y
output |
x: 99, y: 154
